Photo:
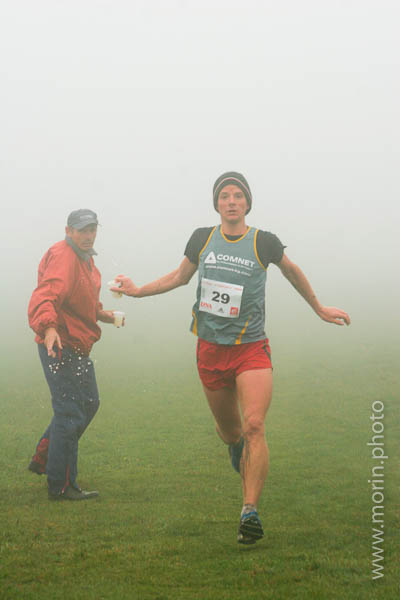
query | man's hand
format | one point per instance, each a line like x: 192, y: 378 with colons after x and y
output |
x: 105, y: 316
x: 52, y: 338
x: 333, y: 315
x: 126, y: 286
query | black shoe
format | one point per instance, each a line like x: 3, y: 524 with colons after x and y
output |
x: 73, y: 493
x: 36, y: 467
x: 250, y: 528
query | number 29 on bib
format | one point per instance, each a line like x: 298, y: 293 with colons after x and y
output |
x: 220, y: 298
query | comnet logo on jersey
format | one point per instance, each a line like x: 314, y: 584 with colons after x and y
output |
x: 212, y: 259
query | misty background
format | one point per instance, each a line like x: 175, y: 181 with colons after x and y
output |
x: 133, y: 109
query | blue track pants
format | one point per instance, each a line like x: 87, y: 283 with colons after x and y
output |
x: 75, y: 399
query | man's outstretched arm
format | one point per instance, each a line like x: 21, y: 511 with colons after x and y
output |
x: 299, y: 281
x: 181, y: 276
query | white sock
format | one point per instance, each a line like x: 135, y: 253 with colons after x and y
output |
x: 248, y: 508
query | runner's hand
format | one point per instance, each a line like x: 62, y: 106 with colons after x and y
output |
x: 126, y: 286
x: 52, y: 338
x: 334, y: 315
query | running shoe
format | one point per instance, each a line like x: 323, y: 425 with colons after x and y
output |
x: 250, y: 528
x: 235, y: 452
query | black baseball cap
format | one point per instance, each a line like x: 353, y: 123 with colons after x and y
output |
x: 78, y: 219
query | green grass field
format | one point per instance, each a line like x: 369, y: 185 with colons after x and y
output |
x: 165, y: 525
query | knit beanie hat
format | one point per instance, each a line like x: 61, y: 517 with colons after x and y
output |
x: 232, y: 178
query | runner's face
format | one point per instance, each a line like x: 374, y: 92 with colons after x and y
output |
x: 232, y: 204
x: 83, y: 238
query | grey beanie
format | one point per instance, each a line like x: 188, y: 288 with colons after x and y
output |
x: 232, y: 178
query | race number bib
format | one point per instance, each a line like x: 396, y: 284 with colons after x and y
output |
x: 220, y: 298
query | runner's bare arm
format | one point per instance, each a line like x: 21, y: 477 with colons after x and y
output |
x: 181, y: 276
x: 299, y: 281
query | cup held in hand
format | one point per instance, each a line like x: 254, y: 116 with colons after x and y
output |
x: 118, y: 318
x: 114, y: 283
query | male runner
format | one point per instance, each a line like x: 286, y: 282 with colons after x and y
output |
x: 233, y: 354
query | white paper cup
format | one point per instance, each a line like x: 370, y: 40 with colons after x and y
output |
x: 118, y: 317
x: 114, y: 283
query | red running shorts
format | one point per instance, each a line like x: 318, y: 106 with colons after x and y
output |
x: 219, y: 365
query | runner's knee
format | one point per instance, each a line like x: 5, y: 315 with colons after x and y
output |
x: 253, y: 426
x: 229, y: 435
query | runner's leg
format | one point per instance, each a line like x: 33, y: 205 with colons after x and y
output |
x: 224, y: 406
x: 254, y: 389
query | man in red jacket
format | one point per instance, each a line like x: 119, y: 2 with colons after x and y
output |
x: 63, y: 311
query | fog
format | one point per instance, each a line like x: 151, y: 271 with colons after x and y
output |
x: 133, y: 109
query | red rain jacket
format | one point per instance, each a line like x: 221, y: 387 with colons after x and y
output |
x: 67, y: 298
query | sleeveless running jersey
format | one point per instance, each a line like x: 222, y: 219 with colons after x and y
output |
x: 230, y: 303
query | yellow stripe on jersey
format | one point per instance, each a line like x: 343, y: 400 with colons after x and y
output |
x: 255, y: 250
x: 206, y: 244
x: 239, y: 339
x: 235, y: 241
x: 194, y: 329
